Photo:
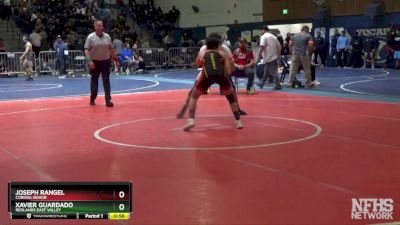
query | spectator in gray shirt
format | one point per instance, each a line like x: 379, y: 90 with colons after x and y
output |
x: 303, y: 47
x: 118, y: 46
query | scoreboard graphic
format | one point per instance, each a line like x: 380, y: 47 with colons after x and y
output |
x: 70, y: 200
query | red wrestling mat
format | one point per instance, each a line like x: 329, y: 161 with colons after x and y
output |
x: 299, y: 160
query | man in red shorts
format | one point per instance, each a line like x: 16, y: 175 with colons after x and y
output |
x: 216, y: 68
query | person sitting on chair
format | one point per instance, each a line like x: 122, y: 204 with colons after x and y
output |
x: 129, y: 60
x: 244, y: 64
x: 137, y: 57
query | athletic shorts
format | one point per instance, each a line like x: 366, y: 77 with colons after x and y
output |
x: 27, y: 64
x: 204, y: 82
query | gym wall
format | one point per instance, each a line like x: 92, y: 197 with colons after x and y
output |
x: 214, y: 12
x: 306, y: 8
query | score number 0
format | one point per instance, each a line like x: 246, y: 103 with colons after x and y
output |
x: 121, y: 194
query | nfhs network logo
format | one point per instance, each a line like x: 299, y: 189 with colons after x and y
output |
x: 372, y: 208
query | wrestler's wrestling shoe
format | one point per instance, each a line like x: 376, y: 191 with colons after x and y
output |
x: 189, y: 125
x: 239, y: 124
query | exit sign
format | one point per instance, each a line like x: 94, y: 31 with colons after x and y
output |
x: 285, y: 11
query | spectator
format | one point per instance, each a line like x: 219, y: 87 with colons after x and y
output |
x: 33, y: 18
x: 225, y: 39
x: 396, y: 52
x: 36, y: 42
x: 39, y: 25
x: 159, y: 12
x: 303, y: 46
x: 270, y: 50
x: 146, y: 44
x: 237, y: 43
x: 2, y: 46
x: 285, y: 47
x: 72, y: 39
x: 50, y: 24
x: 370, y: 47
x: 142, y: 65
x: 2, y: 67
x: 319, y: 50
x: 133, y: 36
x: 128, y: 58
x: 254, y: 42
x: 394, y: 47
x: 244, y: 64
x: 333, y: 50
x: 191, y: 42
x: 121, y: 20
x: 169, y: 40
x: 357, y: 48
x: 389, y: 51
x: 6, y: 10
x: 44, y: 36
x: 61, y: 49
x: 279, y: 37
x: 174, y: 15
x: 118, y: 46
x: 342, y: 46
x: 120, y: 3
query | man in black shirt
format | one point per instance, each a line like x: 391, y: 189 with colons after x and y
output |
x: 319, y: 50
x: 357, y: 48
x: 333, y: 53
x: 370, y: 46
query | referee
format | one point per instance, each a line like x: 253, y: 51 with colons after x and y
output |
x: 98, y: 51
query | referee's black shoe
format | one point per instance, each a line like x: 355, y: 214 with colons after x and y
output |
x: 92, y: 102
x: 109, y: 103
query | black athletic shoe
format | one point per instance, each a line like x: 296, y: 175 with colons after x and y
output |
x: 29, y: 79
x: 181, y: 114
x: 109, y: 104
x: 242, y: 113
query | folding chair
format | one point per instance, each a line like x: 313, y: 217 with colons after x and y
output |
x: 286, y: 68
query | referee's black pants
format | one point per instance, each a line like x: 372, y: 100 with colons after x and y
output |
x: 103, y: 68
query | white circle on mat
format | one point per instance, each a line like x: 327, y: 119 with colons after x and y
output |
x: 317, y: 132
x: 27, y: 87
